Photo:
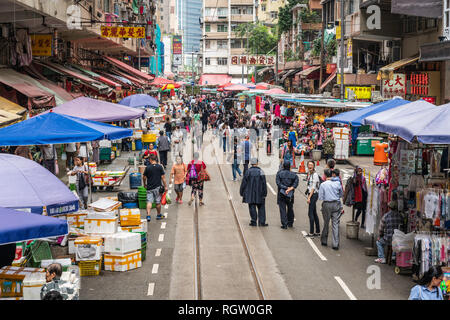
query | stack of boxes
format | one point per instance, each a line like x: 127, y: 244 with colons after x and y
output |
x: 122, y: 251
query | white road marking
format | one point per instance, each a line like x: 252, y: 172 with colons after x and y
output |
x: 271, y: 189
x: 169, y: 192
x: 155, y: 268
x: 345, y: 288
x: 158, y: 252
x: 165, y: 214
x: 163, y: 225
x: 170, y: 185
x: 313, y: 245
x: 151, y: 289
x: 166, y: 206
x: 161, y: 237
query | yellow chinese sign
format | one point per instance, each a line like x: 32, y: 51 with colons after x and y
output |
x: 338, y: 31
x: 123, y: 32
x: 338, y: 79
x: 41, y: 44
x: 361, y: 93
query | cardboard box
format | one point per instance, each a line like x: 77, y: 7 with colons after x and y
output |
x: 122, y: 242
x: 11, y: 280
x: 130, y: 217
x: 104, y: 204
x: 32, y: 284
x: 88, y: 248
x: 105, y: 223
x: 125, y: 262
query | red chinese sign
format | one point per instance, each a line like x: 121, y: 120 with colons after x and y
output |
x: 395, y: 87
x: 253, y: 60
x: 123, y: 32
x: 430, y: 99
x: 419, y: 84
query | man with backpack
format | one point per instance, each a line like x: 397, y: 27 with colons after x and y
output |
x: 312, y: 192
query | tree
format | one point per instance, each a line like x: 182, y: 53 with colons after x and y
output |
x: 260, y: 39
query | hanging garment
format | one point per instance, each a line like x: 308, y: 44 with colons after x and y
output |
x: 431, y: 205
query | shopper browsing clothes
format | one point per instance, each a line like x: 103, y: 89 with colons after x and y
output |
x: 330, y: 192
x: 253, y: 191
x: 154, y: 178
x: 429, y: 286
x: 390, y: 221
x: 287, y: 182
x: 81, y: 171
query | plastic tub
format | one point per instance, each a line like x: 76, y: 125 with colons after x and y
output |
x: 135, y: 180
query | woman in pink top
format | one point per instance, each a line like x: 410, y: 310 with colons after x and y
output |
x: 277, y: 110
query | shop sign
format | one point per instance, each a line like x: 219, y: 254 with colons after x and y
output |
x: 145, y: 61
x: 419, y: 84
x: 394, y: 87
x: 253, y: 60
x: 177, y: 46
x: 123, y: 32
x: 41, y: 44
x: 331, y: 67
x: 430, y: 99
x: 338, y: 31
x: 176, y: 60
x: 361, y: 93
x: 350, y: 48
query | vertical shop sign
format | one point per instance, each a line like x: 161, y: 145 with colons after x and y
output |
x: 177, y: 45
x: 41, y: 44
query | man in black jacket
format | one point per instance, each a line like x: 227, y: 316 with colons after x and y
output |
x: 287, y: 182
x: 254, y: 191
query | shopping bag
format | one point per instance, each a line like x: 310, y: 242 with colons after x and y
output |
x: 184, y: 185
x: 203, y: 175
x: 168, y: 200
x: 402, y: 242
x: 163, y: 199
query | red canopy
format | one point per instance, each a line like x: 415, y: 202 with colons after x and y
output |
x: 236, y: 87
x: 262, y: 86
x: 161, y: 81
x: 275, y: 91
x: 225, y: 85
x: 214, y: 79
x: 129, y: 69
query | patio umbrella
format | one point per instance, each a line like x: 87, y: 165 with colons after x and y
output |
x: 250, y: 85
x: 236, y: 87
x: 140, y: 100
x: 31, y: 187
x: 225, y: 85
x: 158, y: 82
x: 262, y: 86
x: 19, y: 226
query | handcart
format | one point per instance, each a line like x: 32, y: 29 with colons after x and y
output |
x: 108, y: 182
x: 403, y: 261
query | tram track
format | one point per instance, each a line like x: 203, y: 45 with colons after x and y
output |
x: 198, y: 292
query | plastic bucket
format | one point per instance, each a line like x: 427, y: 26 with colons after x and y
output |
x: 135, y: 180
x: 316, y: 155
x: 138, y: 144
x: 352, y: 230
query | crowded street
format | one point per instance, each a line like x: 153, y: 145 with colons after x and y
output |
x: 224, y: 158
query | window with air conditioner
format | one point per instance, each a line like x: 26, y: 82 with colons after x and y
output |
x: 222, y: 44
x: 222, y: 61
x: 236, y: 43
x: 235, y: 10
x: 207, y: 61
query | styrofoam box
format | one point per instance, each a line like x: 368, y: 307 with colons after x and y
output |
x: 144, y: 225
x: 63, y: 262
x: 138, y: 228
x: 125, y: 262
x: 32, y: 284
x: 130, y: 217
x: 88, y: 248
x: 100, y: 222
x: 122, y: 242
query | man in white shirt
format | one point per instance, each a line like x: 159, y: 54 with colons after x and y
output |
x: 177, y: 139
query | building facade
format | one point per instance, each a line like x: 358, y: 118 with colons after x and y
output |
x: 189, y: 16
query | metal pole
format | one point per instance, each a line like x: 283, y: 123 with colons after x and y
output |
x: 342, y: 49
x: 321, y: 50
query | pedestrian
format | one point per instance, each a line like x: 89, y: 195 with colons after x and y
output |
x: 177, y: 139
x: 95, y: 152
x: 49, y: 157
x: 194, y: 169
x: 148, y: 153
x: 253, y: 191
x: 81, y: 171
x: 163, y: 148
x: 330, y: 192
x: 236, y: 159
x: 23, y: 151
x: 168, y: 127
x: 428, y: 287
x: 154, y: 178
x: 390, y: 221
x: 360, y: 195
x: 269, y: 143
x: 205, y: 117
x: 246, y: 149
x: 82, y: 151
x: 178, y: 174
x: 53, y: 274
x: 287, y: 182
x: 198, y: 135
x: 288, y: 153
x: 312, y: 192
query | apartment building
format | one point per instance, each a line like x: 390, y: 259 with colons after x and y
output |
x: 220, y: 20
x: 188, y: 14
x: 268, y: 11
x: 166, y: 16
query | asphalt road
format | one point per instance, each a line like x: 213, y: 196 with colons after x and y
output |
x: 289, y: 265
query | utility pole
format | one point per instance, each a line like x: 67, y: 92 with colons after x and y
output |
x: 342, y: 49
x: 322, y: 49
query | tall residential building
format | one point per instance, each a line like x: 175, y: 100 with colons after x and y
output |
x: 268, y: 11
x: 188, y: 14
x: 166, y: 16
x: 220, y: 42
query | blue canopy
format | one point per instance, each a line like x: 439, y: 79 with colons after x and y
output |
x: 420, y: 119
x: 54, y: 128
x: 355, y: 117
x: 18, y: 226
x: 140, y: 100
x: 28, y: 185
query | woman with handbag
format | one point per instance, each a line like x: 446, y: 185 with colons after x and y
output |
x: 360, y: 195
x: 196, y: 176
x: 81, y: 171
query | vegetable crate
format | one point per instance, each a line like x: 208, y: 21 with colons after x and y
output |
x: 90, y: 268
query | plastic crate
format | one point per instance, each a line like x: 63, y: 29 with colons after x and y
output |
x: 90, y: 268
x: 142, y: 205
x: 40, y: 250
x: 143, y: 252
